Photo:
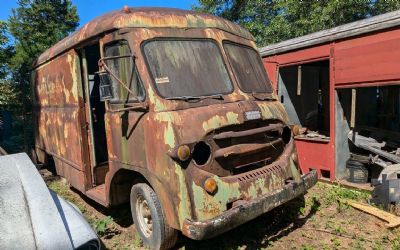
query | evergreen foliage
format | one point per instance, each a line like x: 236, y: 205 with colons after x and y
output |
x: 272, y: 21
x: 33, y: 27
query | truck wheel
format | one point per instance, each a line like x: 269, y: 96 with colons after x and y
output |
x: 149, y: 219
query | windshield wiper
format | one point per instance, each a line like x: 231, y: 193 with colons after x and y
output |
x: 196, y: 98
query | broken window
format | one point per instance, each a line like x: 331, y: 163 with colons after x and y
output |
x: 304, y: 91
x: 119, y: 59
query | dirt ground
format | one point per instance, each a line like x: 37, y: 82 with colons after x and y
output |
x: 319, y: 221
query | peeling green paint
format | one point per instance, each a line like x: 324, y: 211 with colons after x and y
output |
x: 232, y: 117
x: 293, y: 168
x: 169, y: 135
x: 184, y: 206
x: 273, y: 110
x: 256, y: 187
x: 208, y: 206
x: 155, y: 101
x: 218, y: 121
x: 226, y: 191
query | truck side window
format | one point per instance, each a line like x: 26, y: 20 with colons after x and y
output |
x: 120, y: 61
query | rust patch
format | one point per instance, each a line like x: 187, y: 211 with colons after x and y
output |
x: 245, y: 156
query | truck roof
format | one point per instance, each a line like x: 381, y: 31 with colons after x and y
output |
x: 368, y: 25
x: 141, y: 18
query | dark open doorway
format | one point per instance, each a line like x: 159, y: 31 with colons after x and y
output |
x: 91, y: 56
x: 367, y: 129
x: 304, y: 91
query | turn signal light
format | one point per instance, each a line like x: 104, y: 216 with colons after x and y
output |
x: 210, y: 185
x: 183, y: 152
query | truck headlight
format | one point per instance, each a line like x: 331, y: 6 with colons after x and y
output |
x: 183, y: 152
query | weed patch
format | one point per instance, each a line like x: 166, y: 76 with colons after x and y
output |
x: 336, y: 193
x: 101, y: 225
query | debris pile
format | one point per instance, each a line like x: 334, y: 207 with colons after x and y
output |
x: 378, y: 152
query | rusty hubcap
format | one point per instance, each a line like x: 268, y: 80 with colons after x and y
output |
x: 144, y: 216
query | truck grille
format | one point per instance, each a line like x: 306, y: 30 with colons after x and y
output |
x: 244, y: 148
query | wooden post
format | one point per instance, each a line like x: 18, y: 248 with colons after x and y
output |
x: 353, y: 108
x: 299, y: 80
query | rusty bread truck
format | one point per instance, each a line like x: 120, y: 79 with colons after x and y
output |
x: 172, y: 112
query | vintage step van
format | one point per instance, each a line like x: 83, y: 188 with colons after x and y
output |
x: 171, y: 111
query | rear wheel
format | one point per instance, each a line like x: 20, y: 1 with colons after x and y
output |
x: 149, y: 218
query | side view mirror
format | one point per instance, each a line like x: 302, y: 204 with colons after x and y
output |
x: 106, y: 92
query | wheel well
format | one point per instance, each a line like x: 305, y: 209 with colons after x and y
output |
x: 121, y: 184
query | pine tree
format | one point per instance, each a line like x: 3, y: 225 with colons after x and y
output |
x: 6, y: 51
x: 35, y: 25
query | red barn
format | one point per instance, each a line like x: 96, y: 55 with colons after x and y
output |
x: 338, y: 81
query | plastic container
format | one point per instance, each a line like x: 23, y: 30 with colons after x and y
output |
x: 357, y: 172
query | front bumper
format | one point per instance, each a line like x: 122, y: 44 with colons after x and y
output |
x: 242, y: 213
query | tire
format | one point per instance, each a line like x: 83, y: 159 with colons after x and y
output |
x: 153, y: 230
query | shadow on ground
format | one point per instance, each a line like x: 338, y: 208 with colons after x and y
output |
x: 260, y: 232
x: 256, y: 234
x: 121, y: 214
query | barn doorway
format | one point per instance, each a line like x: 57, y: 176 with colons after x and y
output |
x: 304, y: 91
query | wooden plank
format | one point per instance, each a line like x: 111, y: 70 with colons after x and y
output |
x: 393, y: 220
x: 367, y: 59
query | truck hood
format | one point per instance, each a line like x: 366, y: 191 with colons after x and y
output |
x: 190, y: 125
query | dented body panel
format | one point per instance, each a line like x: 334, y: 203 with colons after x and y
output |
x: 250, y: 153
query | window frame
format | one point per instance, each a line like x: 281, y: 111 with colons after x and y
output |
x: 135, y: 69
x: 234, y: 74
x: 220, y: 51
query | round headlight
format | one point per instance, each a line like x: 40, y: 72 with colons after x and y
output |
x: 183, y: 152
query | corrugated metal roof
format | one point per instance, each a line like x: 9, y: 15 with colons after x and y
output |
x: 380, y: 22
x: 142, y: 18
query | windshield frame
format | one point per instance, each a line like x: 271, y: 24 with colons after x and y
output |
x: 260, y: 61
x: 220, y: 51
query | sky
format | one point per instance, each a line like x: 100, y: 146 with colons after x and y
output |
x: 89, y: 9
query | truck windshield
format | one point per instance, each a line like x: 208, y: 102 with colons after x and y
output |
x: 187, y: 68
x: 248, y: 68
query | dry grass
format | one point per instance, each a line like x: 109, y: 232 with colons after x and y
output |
x: 319, y: 221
